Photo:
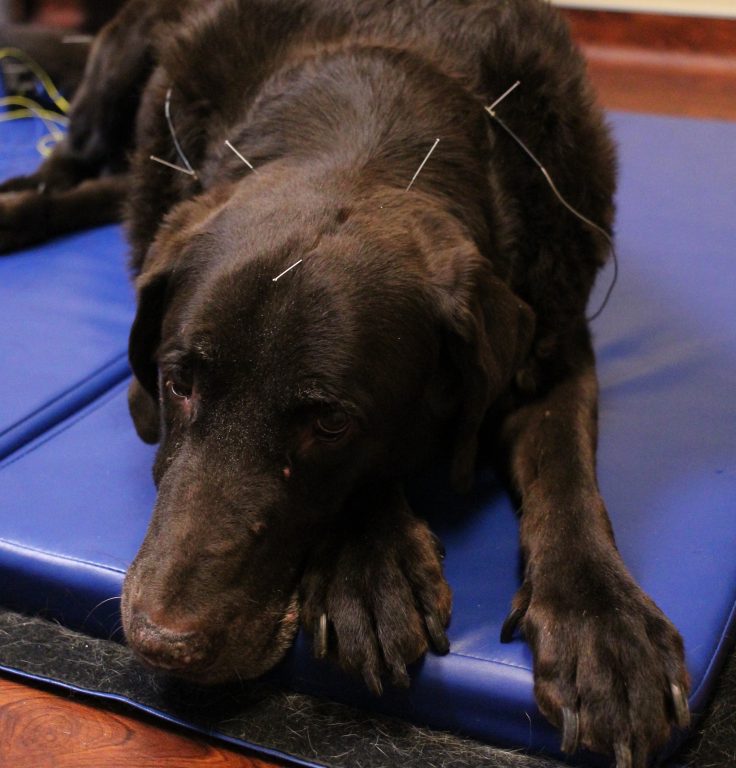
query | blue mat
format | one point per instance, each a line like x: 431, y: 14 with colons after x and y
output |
x: 65, y: 312
x: 76, y: 489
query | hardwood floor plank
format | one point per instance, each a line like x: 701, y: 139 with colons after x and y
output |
x: 654, y: 31
x: 39, y: 729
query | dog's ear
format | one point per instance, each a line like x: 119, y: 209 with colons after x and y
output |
x: 143, y: 342
x: 145, y: 333
x: 489, y: 333
x: 144, y: 411
x: 163, y: 275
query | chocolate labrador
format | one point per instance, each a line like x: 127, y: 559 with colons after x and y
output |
x: 316, y: 321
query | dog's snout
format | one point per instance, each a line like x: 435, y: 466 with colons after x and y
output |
x: 168, y: 648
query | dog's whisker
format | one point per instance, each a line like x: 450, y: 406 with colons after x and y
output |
x: 116, y: 629
x: 101, y: 603
x: 274, y: 279
x: 235, y: 151
x: 106, y: 600
x: 423, y: 163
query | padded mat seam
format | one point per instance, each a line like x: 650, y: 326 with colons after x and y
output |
x: 490, y: 661
x: 725, y: 641
x: 65, y: 393
x: 58, y: 556
x: 59, y: 429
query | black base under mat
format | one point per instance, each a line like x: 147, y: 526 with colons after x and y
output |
x: 295, y: 726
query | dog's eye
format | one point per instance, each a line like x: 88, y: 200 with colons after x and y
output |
x: 331, y: 425
x: 178, y: 390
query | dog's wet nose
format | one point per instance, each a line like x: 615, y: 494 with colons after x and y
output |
x: 166, y: 648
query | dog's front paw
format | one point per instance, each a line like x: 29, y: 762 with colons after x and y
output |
x: 373, y: 595
x: 32, y: 182
x: 608, y: 666
x: 23, y: 219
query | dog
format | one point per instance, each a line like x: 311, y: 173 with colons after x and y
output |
x: 316, y: 321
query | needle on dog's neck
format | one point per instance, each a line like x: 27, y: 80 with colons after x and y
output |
x: 574, y: 211
x: 187, y: 169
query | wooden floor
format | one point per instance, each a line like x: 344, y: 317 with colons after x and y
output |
x: 639, y: 63
x: 39, y: 729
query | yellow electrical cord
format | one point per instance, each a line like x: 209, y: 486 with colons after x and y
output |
x: 27, y: 108
x: 41, y: 75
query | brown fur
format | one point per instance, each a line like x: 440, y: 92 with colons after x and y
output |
x: 289, y: 411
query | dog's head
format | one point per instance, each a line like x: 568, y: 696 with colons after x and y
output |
x: 278, y: 394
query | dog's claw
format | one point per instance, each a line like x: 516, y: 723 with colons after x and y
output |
x: 320, y: 648
x: 437, y: 635
x: 622, y: 753
x: 510, y: 624
x: 570, y: 730
x: 679, y: 701
x: 399, y: 676
x: 372, y: 680
x: 439, y: 546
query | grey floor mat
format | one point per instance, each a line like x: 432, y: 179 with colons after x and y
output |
x: 314, y: 731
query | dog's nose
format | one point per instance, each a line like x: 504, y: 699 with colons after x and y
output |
x: 166, y: 648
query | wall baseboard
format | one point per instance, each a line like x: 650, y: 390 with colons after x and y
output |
x: 716, y: 8
x: 655, y: 31
x: 666, y: 64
